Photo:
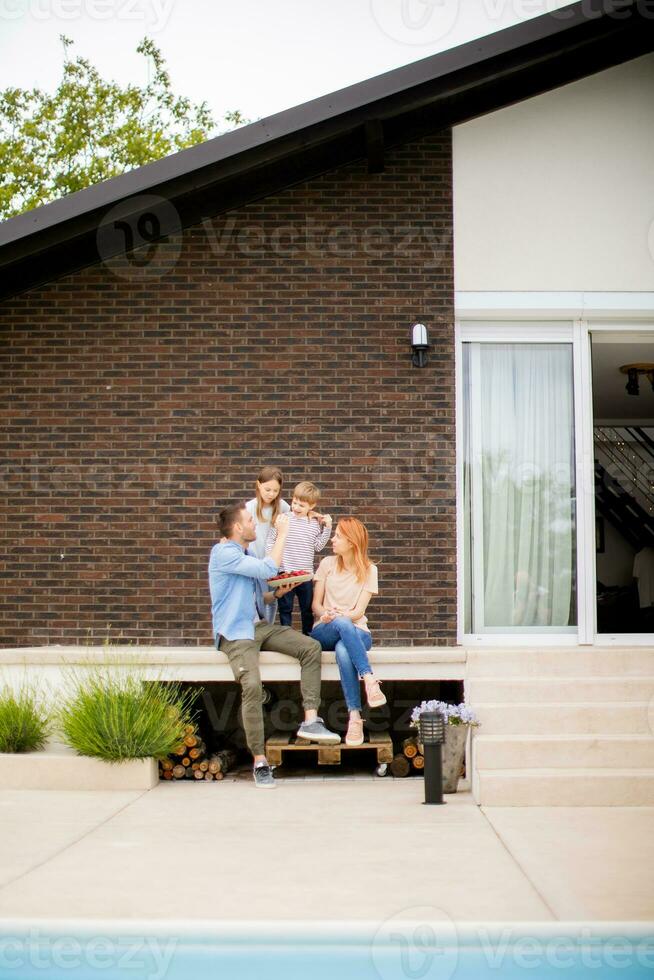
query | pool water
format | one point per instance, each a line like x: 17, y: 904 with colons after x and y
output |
x: 400, y: 948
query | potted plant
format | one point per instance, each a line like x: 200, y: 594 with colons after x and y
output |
x: 459, y: 718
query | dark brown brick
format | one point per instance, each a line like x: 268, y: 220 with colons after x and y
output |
x: 133, y: 408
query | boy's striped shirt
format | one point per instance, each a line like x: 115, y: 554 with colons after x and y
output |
x: 305, y: 537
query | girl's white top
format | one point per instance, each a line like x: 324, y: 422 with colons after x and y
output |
x: 258, y: 547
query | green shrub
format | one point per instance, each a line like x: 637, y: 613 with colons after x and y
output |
x: 117, y: 715
x: 24, y: 721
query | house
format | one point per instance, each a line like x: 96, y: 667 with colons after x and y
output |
x: 251, y: 300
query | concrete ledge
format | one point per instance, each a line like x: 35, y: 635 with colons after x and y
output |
x: 208, y: 664
x: 182, y: 655
x: 60, y: 768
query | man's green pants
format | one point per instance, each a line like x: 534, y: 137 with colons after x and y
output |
x: 243, y: 656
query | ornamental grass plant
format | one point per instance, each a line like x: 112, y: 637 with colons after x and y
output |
x: 25, y: 722
x: 116, y: 714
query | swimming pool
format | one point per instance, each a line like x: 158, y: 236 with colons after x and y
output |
x: 401, y: 948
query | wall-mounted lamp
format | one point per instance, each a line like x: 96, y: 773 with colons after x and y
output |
x: 632, y: 371
x: 419, y: 344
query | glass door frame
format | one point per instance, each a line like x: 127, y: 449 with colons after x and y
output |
x: 550, y: 325
x: 590, y: 327
x: 545, y: 329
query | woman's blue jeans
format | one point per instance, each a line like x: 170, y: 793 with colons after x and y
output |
x: 351, y: 646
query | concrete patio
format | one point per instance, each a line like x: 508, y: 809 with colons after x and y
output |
x: 317, y: 848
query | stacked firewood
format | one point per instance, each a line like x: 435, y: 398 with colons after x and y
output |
x: 410, y: 758
x: 189, y: 760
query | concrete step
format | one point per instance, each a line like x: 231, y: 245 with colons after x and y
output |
x: 561, y: 662
x: 565, y: 787
x: 480, y: 690
x: 563, y: 751
x: 581, y: 718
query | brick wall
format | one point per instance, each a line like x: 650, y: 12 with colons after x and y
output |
x: 139, y: 398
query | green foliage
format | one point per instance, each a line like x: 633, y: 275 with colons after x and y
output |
x: 24, y: 721
x: 91, y: 129
x: 115, y: 714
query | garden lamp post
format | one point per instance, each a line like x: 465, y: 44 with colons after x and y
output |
x: 432, y: 736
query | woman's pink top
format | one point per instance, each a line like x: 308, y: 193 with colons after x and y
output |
x: 342, y: 589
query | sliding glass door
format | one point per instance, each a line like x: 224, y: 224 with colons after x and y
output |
x: 518, y: 484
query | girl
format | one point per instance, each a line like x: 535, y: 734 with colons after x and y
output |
x: 265, y: 508
x: 343, y: 586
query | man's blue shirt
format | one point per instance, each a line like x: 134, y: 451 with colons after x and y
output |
x: 236, y: 580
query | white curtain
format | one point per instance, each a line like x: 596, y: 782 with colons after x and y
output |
x: 524, y: 459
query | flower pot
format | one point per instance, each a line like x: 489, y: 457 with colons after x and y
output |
x: 454, y: 751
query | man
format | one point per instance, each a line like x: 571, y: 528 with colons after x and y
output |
x: 237, y: 584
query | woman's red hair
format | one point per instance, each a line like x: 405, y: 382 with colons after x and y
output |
x: 356, y: 533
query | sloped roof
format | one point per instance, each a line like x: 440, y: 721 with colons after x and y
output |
x: 353, y: 123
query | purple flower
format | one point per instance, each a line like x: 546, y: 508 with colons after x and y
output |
x: 454, y: 714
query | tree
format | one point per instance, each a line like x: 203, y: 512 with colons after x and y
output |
x: 91, y: 129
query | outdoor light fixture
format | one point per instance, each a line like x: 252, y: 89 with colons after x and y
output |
x: 432, y: 736
x: 419, y: 344
x: 632, y: 371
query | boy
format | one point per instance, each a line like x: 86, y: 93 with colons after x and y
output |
x: 305, y: 538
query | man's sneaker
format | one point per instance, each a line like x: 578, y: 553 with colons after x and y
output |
x: 374, y: 694
x: 315, y: 731
x: 263, y: 777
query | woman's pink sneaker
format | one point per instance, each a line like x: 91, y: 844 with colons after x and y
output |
x: 374, y: 694
x: 354, y: 734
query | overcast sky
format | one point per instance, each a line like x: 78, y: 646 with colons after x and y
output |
x: 259, y: 56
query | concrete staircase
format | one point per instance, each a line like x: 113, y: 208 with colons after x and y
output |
x: 562, y: 727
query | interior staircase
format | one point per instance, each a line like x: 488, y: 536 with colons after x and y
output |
x: 562, y: 727
x: 624, y: 462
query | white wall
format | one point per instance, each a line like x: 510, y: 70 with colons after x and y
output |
x: 557, y: 192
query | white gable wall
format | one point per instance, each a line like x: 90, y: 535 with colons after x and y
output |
x: 557, y: 192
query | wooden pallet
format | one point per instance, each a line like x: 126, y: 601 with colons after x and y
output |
x: 328, y: 755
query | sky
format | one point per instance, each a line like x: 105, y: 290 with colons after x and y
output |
x: 258, y: 56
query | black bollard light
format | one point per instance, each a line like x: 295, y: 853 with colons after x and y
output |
x: 432, y: 736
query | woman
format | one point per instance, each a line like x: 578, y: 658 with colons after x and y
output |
x: 343, y: 586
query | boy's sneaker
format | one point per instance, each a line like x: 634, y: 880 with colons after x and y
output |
x: 315, y: 731
x: 263, y: 777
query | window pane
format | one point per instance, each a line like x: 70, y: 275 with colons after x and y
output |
x: 519, y: 487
